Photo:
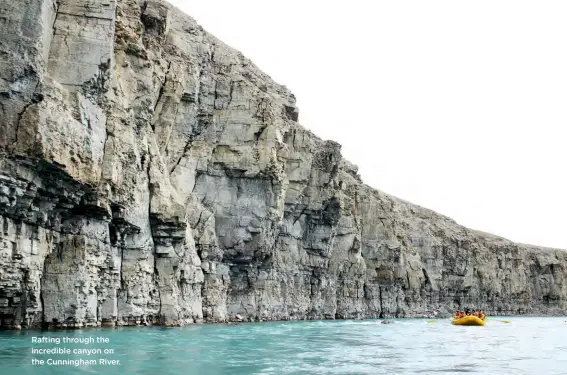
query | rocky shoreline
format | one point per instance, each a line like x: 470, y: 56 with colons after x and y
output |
x: 150, y: 173
x: 242, y: 320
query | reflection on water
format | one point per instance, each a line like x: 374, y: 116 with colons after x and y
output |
x: 413, y: 346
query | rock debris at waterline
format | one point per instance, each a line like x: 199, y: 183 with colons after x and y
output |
x: 150, y: 174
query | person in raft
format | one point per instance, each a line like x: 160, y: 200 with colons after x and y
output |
x: 462, y: 314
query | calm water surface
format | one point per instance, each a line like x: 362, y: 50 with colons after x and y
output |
x: 412, y: 346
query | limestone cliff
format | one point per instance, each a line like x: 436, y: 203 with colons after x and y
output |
x: 150, y: 174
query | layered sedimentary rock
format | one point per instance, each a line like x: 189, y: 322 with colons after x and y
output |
x: 150, y: 174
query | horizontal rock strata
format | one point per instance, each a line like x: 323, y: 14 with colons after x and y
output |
x: 150, y: 174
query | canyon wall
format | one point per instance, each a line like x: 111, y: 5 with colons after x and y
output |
x: 150, y: 174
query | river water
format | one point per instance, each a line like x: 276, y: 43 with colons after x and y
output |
x: 410, y: 346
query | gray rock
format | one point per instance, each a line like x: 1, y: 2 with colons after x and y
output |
x: 388, y: 321
x: 150, y: 174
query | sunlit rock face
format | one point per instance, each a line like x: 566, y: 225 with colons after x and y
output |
x: 150, y: 174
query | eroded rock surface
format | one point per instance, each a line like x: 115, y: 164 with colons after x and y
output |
x: 150, y: 174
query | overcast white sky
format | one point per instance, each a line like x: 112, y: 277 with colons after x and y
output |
x: 458, y: 106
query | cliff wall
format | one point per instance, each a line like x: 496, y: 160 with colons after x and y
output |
x: 150, y: 174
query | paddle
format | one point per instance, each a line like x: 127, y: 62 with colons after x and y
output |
x: 431, y: 320
x: 498, y: 320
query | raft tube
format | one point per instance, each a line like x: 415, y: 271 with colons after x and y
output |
x: 468, y: 321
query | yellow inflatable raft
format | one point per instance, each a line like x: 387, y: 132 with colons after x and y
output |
x: 468, y: 320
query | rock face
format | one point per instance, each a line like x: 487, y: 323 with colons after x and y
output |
x: 150, y: 174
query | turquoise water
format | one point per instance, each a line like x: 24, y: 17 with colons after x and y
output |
x: 412, y: 346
